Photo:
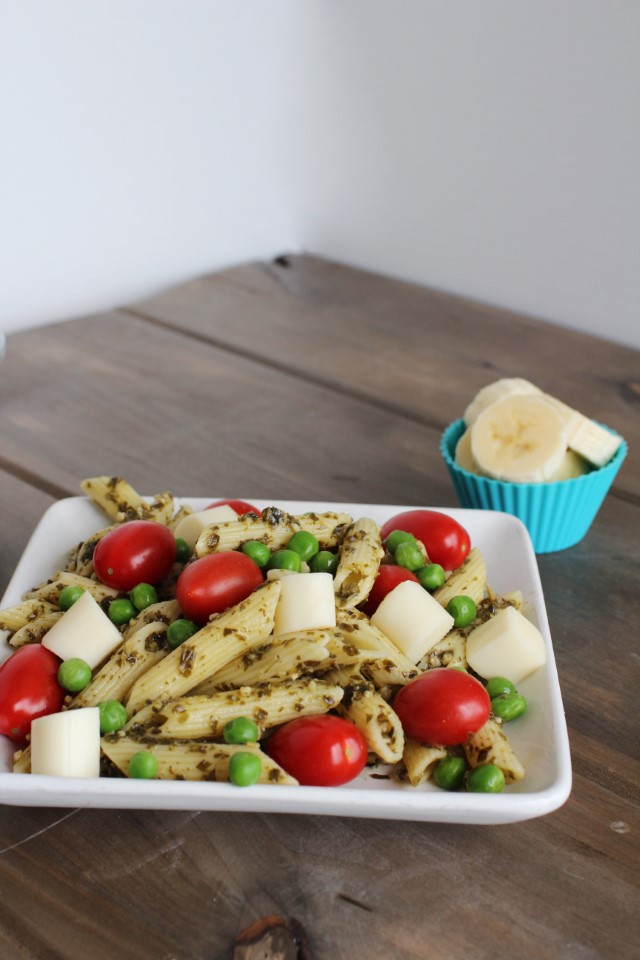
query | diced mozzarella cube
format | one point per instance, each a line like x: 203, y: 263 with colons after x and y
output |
x: 67, y: 744
x: 306, y: 601
x: 191, y: 527
x: 84, y: 631
x: 507, y: 645
x: 412, y: 619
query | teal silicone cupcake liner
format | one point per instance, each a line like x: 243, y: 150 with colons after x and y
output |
x: 557, y: 515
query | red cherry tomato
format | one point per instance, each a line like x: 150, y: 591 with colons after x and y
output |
x: 29, y: 688
x: 442, y: 706
x: 139, y: 551
x: 444, y: 539
x: 240, y: 506
x: 215, y: 582
x: 319, y: 751
x: 389, y: 576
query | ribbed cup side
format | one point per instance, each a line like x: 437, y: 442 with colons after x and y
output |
x: 557, y: 515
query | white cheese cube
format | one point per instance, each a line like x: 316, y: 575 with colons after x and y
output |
x: 508, y: 645
x: 84, y: 631
x: 191, y: 527
x: 306, y: 601
x: 412, y: 619
x: 67, y: 744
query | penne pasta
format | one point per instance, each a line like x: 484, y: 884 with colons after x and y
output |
x: 469, y: 580
x: 23, y: 613
x: 221, y: 640
x: 52, y: 589
x: 279, y: 658
x: 188, y: 760
x: 195, y: 717
x: 360, y: 556
x: 121, y: 502
x: 419, y: 761
x: 490, y: 744
x: 375, y: 719
x: 35, y: 631
x: 138, y: 653
x: 274, y: 528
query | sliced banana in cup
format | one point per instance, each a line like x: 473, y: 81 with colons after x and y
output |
x: 520, y: 439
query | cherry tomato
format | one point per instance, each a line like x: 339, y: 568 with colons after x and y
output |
x: 29, y: 689
x: 240, y: 506
x: 319, y: 751
x: 215, y: 582
x: 138, y: 551
x: 389, y: 576
x: 442, y: 707
x: 444, y: 539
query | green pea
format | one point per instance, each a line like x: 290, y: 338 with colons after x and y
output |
x: 396, y: 537
x: 463, y: 610
x: 74, y: 674
x: 121, y: 611
x: 487, y: 778
x: 285, y: 560
x: 449, y: 773
x: 179, y: 631
x: 113, y: 716
x: 257, y: 551
x: 240, y: 730
x: 143, y: 765
x: 143, y: 595
x: 244, y: 769
x: 499, y: 685
x: 324, y: 562
x: 183, y: 550
x: 432, y: 576
x: 304, y: 544
x: 508, y: 706
x: 68, y: 596
x: 409, y: 555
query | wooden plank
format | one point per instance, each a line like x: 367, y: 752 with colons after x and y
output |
x: 114, y: 395
x: 22, y: 505
x: 420, y: 351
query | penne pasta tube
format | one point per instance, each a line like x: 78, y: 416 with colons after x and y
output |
x: 23, y: 613
x: 191, y: 718
x: 52, y: 589
x: 360, y: 556
x: 469, y: 580
x: 361, y: 635
x: 275, y: 528
x: 277, y: 659
x: 211, y: 648
x: 375, y: 719
x: 419, y: 760
x: 143, y: 649
x: 22, y: 760
x: 80, y: 559
x: 35, y: 631
x: 186, y: 760
x: 490, y: 744
x: 448, y: 652
x: 121, y: 502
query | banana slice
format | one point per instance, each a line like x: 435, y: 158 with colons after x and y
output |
x: 571, y: 466
x: 521, y: 439
x: 493, y: 392
x: 463, y: 456
x: 594, y: 443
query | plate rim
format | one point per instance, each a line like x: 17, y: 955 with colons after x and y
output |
x: 408, y: 803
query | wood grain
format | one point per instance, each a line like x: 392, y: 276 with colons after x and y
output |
x: 421, y: 352
x: 316, y: 381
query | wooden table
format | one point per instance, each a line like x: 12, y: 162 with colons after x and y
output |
x: 305, y: 379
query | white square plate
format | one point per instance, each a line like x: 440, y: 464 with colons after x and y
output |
x: 539, y: 737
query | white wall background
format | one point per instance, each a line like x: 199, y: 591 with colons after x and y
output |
x: 488, y: 148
